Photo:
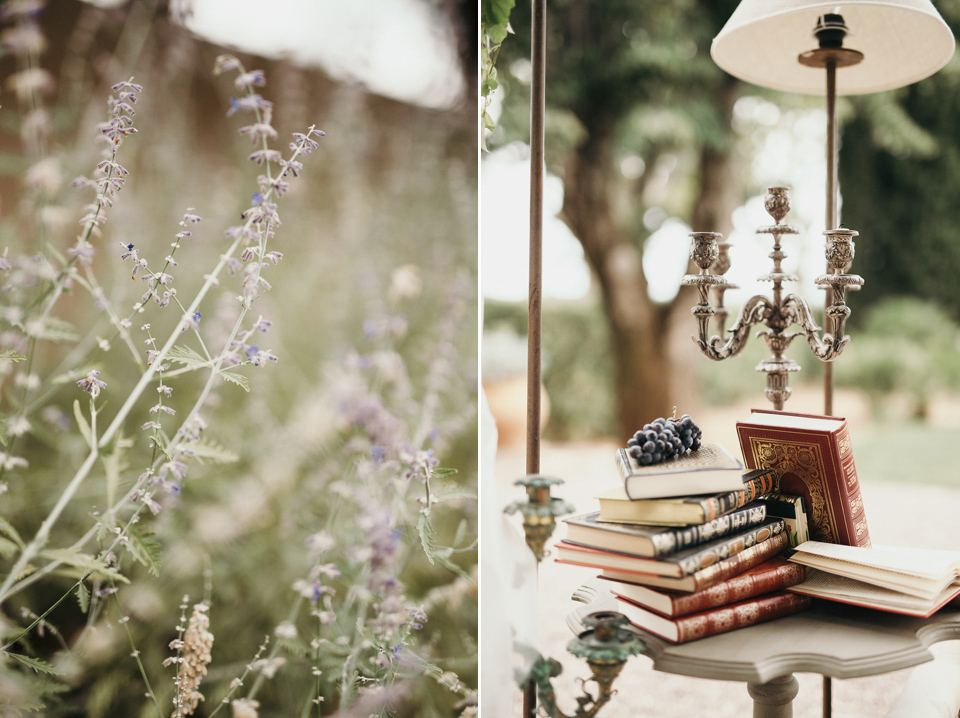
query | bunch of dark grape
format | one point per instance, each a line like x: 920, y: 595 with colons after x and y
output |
x: 664, y: 439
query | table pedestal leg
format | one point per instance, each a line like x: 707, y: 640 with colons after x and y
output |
x: 774, y: 699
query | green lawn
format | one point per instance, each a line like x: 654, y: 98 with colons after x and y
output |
x: 912, y: 452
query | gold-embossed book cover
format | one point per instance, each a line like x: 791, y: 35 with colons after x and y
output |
x: 813, y: 457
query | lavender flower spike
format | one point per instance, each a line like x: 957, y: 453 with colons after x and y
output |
x: 91, y: 384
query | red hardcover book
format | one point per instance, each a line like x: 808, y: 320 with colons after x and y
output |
x: 813, y: 457
x: 717, y: 620
x: 774, y: 574
x: 709, y: 576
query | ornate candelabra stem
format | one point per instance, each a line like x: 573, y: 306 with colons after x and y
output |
x: 777, y: 312
x: 605, y: 645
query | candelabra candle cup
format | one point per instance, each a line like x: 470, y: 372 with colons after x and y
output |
x: 777, y: 203
x: 839, y: 249
x: 705, y: 250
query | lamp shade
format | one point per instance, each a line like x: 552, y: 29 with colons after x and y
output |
x: 902, y: 41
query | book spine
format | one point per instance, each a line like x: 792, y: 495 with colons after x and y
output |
x: 740, y: 562
x: 724, y: 549
x: 854, y: 518
x: 685, y: 537
x: 623, y: 463
x: 740, y: 615
x: 739, y: 588
x: 723, y: 504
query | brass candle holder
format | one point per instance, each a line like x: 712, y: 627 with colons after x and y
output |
x: 539, y: 510
x: 777, y: 312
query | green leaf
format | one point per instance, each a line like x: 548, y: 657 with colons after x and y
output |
x: 112, y: 467
x: 188, y: 357
x: 442, y: 473
x: 143, y: 549
x: 82, y: 423
x: 8, y: 549
x: 7, y: 528
x: 496, y: 12
x: 206, y: 450
x: 238, y: 379
x: 11, y: 355
x: 37, y: 665
x: 57, y: 330
x: 452, y: 493
x: 83, y: 561
x: 435, y: 554
x: 83, y: 597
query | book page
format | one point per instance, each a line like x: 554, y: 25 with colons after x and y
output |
x: 921, y: 562
x: 796, y: 421
x: 820, y: 583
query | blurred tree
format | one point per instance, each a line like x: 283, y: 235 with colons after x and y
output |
x: 638, y: 117
x: 900, y: 178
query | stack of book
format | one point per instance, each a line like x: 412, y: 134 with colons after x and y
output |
x: 691, y: 565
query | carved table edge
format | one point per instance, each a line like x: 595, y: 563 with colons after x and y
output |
x: 595, y: 599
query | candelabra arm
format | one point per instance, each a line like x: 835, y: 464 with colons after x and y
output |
x: 752, y: 312
x: 605, y: 645
x: 831, y: 344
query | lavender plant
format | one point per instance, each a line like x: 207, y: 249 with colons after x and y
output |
x: 330, y: 528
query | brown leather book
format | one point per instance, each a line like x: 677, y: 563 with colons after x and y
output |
x: 774, y: 574
x: 675, y: 565
x: 709, y: 576
x: 813, y: 457
x: 718, y: 620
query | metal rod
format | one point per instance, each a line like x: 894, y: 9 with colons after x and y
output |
x: 832, y: 212
x: 537, y: 100
x: 832, y: 221
x: 534, y: 313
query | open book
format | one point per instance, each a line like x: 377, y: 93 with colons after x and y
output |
x: 913, y: 581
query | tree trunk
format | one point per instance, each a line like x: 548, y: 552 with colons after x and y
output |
x: 654, y: 359
x: 641, y: 380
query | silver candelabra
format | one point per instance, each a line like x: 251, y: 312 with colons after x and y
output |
x: 778, y: 312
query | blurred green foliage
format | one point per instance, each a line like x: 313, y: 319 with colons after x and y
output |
x: 904, y: 346
x: 899, y: 177
x: 577, y: 369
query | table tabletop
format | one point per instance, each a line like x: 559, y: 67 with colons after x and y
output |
x: 831, y: 639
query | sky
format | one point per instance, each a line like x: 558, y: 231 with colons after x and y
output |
x: 789, y: 150
x: 396, y: 48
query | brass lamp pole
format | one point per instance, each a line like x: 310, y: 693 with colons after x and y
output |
x: 831, y: 54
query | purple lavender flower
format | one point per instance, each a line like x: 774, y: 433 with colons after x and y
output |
x: 91, y: 384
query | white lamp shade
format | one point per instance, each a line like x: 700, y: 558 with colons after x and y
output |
x: 902, y: 41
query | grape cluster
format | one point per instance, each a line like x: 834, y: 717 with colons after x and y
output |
x: 664, y: 439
